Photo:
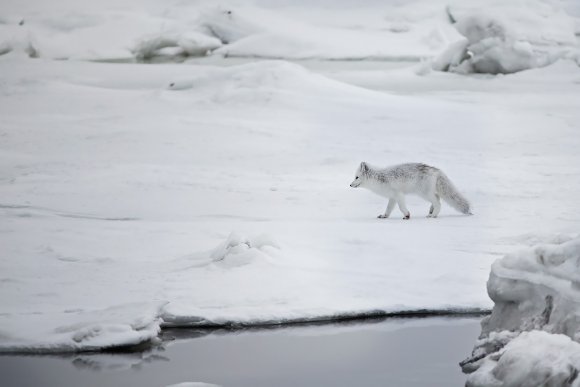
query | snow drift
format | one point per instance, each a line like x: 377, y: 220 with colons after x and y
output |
x: 508, y: 37
x: 537, y: 292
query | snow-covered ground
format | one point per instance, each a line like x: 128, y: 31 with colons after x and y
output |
x: 135, y: 195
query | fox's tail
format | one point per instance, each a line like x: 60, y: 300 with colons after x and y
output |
x: 449, y: 193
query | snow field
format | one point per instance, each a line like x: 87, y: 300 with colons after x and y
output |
x: 123, y: 190
x: 140, y: 196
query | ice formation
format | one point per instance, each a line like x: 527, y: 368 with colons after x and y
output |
x: 508, y: 38
x: 532, y: 336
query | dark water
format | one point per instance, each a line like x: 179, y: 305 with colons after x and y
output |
x: 393, y: 352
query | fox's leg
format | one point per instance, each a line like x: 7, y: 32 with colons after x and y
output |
x: 403, y: 207
x: 435, y: 206
x: 389, y: 209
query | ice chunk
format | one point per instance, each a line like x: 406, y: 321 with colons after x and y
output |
x: 534, y: 358
x: 508, y: 38
x: 190, y: 44
x: 537, y: 292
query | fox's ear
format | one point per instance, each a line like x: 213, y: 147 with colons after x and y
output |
x: 364, y: 167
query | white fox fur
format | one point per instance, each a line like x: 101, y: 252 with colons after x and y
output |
x: 413, y: 178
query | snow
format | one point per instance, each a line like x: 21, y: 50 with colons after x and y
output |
x: 534, y: 358
x: 188, y: 44
x: 125, y: 325
x: 509, y: 37
x: 193, y: 384
x: 136, y: 197
x: 533, y: 332
x: 69, y: 30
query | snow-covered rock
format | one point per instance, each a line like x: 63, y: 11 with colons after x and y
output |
x: 508, y: 37
x: 537, y: 292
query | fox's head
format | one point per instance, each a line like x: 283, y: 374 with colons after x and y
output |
x: 360, y: 175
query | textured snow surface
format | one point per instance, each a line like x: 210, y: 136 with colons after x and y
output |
x: 138, y: 196
x: 274, y: 29
x: 536, y: 291
x: 508, y: 37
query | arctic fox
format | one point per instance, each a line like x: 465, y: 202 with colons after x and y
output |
x: 413, y: 178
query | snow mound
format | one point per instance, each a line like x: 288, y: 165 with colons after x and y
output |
x: 265, y: 82
x: 533, y: 358
x: 186, y: 44
x: 239, y: 250
x: 228, y: 26
x: 385, y: 33
x: 537, y: 289
x: 508, y: 38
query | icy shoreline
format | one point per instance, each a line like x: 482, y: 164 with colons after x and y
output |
x: 427, y: 345
x: 532, y: 335
x: 150, y: 336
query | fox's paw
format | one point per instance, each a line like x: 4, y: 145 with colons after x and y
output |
x: 431, y: 216
x: 383, y: 216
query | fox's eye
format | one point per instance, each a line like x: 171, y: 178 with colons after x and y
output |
x: 356, y: 178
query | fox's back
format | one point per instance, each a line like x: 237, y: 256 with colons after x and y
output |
x: 408, y: 177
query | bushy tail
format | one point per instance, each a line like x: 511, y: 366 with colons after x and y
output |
x: 449, y: 193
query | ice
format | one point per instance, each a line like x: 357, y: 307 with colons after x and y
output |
x: 125, y: 325
x: 536, y: 292
x: 533, y: 358
x: 136, y: 197
x: 109, y: 30
x: 520, y: 283
x: 509, y: 37
x: 187, y: 44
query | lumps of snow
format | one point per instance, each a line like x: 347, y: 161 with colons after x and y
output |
x: 187, y: 44
x: 239, y: 250
x: 508, y: 38
x: 536, y: 291
x: 533, y: 358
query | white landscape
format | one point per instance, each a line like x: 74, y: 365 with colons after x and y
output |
x: 136, y: 196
